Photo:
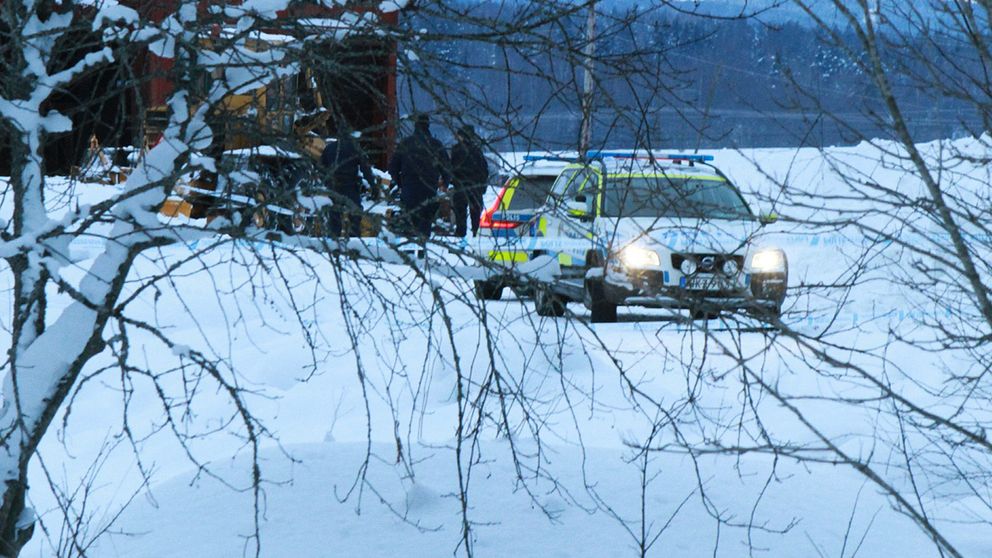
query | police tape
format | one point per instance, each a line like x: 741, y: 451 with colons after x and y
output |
x: 672, y: 242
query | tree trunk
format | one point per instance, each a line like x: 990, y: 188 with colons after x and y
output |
x: 15, y: 528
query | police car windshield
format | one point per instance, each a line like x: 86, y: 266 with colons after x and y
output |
x: 530, y: 192
x: 662, y: 196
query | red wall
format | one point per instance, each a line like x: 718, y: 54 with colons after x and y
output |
x: 157, y: 89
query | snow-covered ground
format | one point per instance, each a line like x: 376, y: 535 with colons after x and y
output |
x: 339, y: 484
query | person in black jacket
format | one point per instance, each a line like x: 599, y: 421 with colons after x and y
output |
x: 343, y: 160
x: 469, y: 173
x: 419, y: 165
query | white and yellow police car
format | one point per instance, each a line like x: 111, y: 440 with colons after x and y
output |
x: 641, y: 229
x: 511, y: 217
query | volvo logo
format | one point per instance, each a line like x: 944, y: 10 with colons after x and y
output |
x: 707, y: 263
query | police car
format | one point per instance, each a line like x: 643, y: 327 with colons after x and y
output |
x: 639, y: 229
x: 510, y: 217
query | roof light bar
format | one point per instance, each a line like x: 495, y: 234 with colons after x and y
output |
x: 617, y: 153
x: 623, y: 154
x: 642, y: 154
x: 686, y: 157
x: 532, y: 158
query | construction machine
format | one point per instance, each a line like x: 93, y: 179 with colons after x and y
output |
x: 268, y: 141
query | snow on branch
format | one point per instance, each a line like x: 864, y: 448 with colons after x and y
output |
x: 48, y: 352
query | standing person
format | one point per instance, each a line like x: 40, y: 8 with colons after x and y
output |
x: 419, y: 165
x: 469, y: 173
x: 343, y: 160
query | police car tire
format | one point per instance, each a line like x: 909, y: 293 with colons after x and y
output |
x: 601, y: 310
x: 767, y: 313
x: 488, y: 290
x: 775, y: 312
x: 546, y: 303
x: 593, y: 259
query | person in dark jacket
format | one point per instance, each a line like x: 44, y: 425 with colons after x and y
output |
x: 418, y: 166
x: 343, y: 160
x: 469, y: 173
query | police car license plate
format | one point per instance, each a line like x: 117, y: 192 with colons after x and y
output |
x: 705, y: 283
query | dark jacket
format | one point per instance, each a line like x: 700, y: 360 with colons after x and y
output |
x: 343, y: 161
x: 419, y: 163
x: 469, y: 170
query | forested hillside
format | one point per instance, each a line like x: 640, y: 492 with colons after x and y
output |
x: 718, y: 82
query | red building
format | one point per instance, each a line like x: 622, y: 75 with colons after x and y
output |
x: 361, y: 90
x: 119, y: 103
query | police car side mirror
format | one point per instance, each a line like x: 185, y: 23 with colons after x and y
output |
x: 768, y: 218
x: 576, y: 208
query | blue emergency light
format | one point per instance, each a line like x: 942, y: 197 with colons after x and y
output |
x: 618, y: 153
x: 685, y: 157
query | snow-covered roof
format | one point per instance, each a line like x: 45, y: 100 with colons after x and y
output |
x: 545, y: 169
x: 518, y: 163
x: 624, y: 165
x: 539, y: 163
x: 269, y: 37
x: 392, y: 6
x: 537, y: 168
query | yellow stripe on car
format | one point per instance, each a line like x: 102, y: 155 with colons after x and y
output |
x: 665, y: 175
x: 511, y: 187
x: 514, y: 256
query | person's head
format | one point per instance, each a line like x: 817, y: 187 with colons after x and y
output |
x: 422, y: 123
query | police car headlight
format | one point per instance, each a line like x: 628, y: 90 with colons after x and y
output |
x: 768, y: 261
x: 635, y: 257
x: 730, y: 267
x: 689, y: 266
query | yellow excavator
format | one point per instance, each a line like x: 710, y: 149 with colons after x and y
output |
x: 268, y: 143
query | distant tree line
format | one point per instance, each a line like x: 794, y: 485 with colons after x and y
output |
x: 718, y: 83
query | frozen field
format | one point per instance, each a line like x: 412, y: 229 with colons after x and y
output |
x: 374, y: 469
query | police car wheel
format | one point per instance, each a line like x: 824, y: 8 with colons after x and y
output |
x: 523, y: 291
x: 700, y: 315
x: 766, y: 313
x: 488, y: 290
x: 601, y: 310
x: 548, y: 304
